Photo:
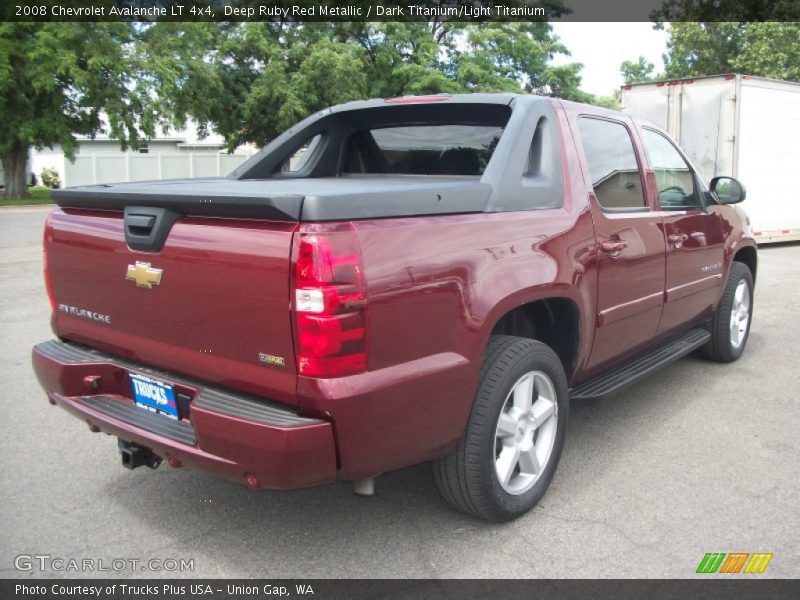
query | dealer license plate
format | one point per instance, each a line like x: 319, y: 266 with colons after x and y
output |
x: 154, y: 395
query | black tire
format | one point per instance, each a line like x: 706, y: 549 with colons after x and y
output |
x: 720, y: 347
x: 466, y: 478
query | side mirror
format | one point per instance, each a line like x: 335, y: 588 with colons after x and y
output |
x: 727, y: 190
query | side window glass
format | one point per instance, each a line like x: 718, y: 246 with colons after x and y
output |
x: 612, y: 164
x: 674, y: 178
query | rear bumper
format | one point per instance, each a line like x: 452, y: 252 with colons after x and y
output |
x: 239, y: 437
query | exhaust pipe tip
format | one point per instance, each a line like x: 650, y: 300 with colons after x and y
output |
x: 364, y: 487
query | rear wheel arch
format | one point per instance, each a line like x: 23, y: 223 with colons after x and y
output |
x: 554, y: 321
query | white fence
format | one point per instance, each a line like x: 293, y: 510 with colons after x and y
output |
x: 90, y: 169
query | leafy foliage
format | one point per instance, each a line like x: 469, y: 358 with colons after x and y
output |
x: 50, y: 178
x: 741, y: 11
x: 764, y: 49
x: 55, y: 79
x: 248, y: 81
x: 263, y: 77
x: 510, y: 56
x: 640, y: 71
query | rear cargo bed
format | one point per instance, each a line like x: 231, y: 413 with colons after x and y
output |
x: 213, y: 302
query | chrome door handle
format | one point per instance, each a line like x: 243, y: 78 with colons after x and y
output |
x: 613, y: 247
x: 677, y: 239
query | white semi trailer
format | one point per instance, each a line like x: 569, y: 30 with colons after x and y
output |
x: 739, y: 126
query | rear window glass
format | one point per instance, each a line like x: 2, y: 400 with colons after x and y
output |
x: 422, y: 150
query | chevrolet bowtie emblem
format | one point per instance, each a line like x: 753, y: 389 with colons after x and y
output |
x: 143, y: 274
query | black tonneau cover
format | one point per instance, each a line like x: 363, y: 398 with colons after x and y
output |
x: 291, y: 199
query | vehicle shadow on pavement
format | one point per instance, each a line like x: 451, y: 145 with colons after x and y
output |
x: 324, y: 531
x: 330, y: 532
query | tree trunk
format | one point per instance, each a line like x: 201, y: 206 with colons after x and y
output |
x: 14, y: 172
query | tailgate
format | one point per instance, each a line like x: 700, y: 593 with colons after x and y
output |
x: 212, y: 303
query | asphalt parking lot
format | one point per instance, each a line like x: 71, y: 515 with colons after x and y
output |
x: 699, y: 458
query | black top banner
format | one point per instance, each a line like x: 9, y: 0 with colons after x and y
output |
x: 401, y: 10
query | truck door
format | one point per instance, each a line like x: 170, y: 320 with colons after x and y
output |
x: 694, y: 236
x: 631, y: 247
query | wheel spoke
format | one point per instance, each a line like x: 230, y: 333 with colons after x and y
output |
x: 735, y: 332
x: 542, y: 388
x: 543, y: 409
x: 506, y: 462
x: 529, y: 462
x: 737, y: 297
x: 523, y: 393
x: 506, y: 425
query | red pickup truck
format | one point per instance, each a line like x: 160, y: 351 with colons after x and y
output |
x: 391, y: 282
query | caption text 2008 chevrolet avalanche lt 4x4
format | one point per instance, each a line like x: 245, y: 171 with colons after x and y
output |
x: 390, y: 282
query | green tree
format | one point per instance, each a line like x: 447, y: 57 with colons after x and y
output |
x: 250, y: 81
x: 695, y: 49
x: 403, y: 58
x: 640, y: 71
x: 517, y: 57
x: 55, y: 80
x: 743, y: 11
x: 769, y: 49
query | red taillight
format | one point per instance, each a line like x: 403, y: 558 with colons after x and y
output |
x: 329, y: 301
x: 48, y: 282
